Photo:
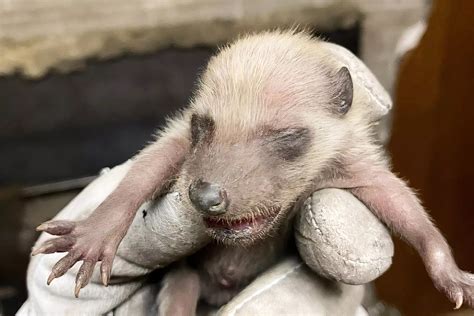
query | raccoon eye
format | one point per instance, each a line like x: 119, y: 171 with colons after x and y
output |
x: 202, y: 128
x: 290, y: 143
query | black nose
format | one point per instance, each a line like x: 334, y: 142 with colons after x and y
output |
x: 207, y: 197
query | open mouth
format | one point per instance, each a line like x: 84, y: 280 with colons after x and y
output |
x: 242, y: 227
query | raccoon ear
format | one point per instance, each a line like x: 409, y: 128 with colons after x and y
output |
x: 343, y: 93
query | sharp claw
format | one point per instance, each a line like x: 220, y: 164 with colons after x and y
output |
x: 59, y: 244
x: 77, y: 289
x: 105, y: 270
x: 37, y: 250
x: 62, y: 266
x: 42, y: 227
x: 459, y: 301
x: 83, y: 276
x: 51, y: 277
x: 105, y: 278
x: 56, y: 227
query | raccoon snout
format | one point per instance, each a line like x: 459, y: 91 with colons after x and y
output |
x: 209, y: 198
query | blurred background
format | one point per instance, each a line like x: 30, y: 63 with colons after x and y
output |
x: 83, y: 85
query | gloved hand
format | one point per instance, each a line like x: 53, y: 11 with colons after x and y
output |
x: 336, y: 235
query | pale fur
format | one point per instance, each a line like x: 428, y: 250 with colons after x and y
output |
x: 281, y: 79
x: 268, y: 81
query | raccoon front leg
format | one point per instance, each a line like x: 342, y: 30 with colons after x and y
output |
x: 180, y: 292
x: 97, y: 237
x: 397, y: 206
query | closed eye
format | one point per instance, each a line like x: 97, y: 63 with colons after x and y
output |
x: 202, y: 128
x: 289, y: 143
